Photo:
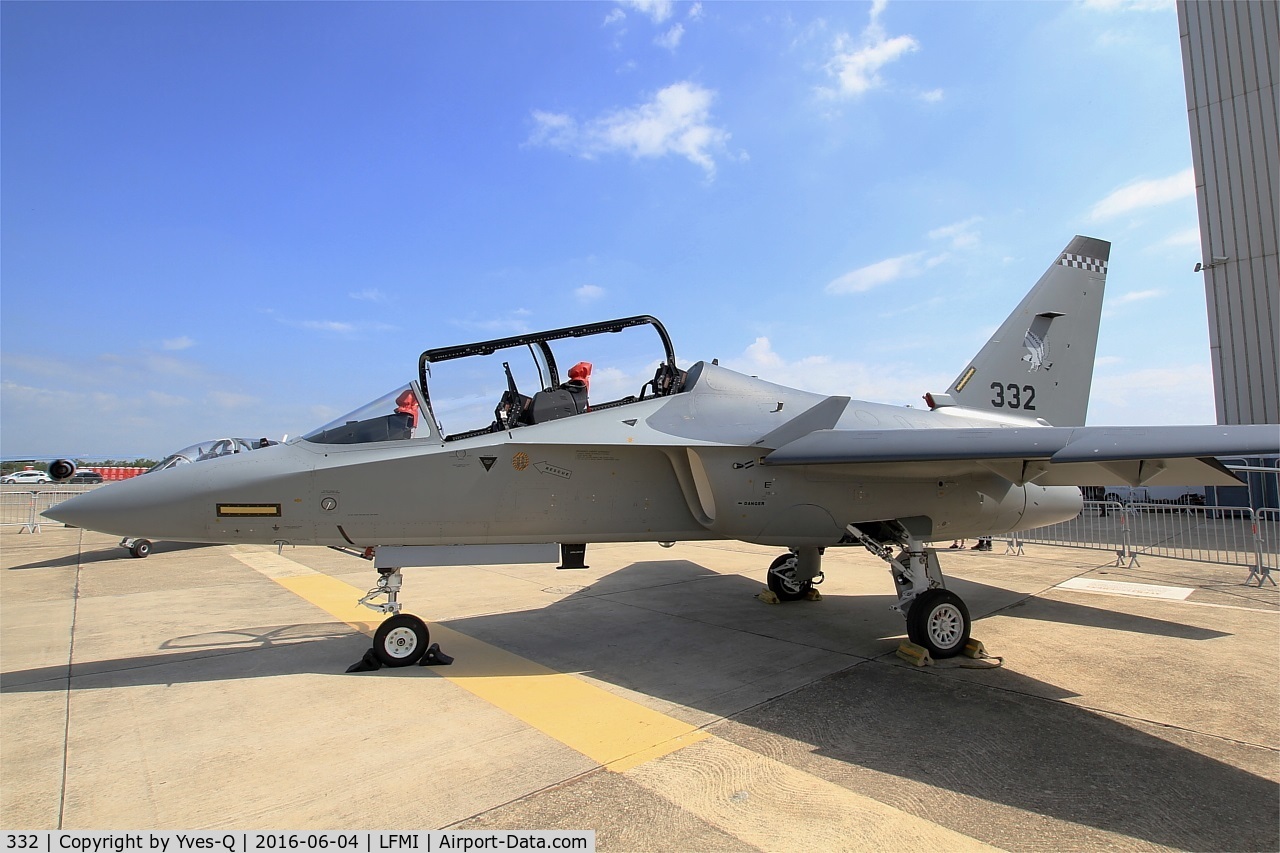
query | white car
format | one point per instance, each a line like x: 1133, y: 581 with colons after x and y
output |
x: 26, y: 477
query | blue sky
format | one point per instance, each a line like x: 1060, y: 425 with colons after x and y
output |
x: 248, y: 218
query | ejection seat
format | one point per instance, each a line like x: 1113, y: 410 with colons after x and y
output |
x: 567, y: 400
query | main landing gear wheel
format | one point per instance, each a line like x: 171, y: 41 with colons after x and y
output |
x: 782, y: 579
x: 141, y: 548
x: 401, y: 640
x: 939, y: 621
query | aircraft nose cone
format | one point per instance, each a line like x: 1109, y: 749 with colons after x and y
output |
x: 93, y: 511
x: 153, y: 506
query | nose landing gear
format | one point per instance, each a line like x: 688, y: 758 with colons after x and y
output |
x: 402, y: 639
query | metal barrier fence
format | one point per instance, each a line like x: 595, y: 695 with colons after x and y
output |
x: 1234, y: 536
x: 22, y: 507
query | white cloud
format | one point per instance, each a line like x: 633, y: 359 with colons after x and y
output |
x: 1136, y: 296
x: 695, y: 12
x: 1178, y: 394
x: 677, y: 120
x: 826, y: 375
x: 339, y: 327
x: 174, y: 344
x: 512, y: 324
x: 1142, y: 194
x: 327, y: 326
x: 369, y: 294
x: 932, y: 96
x: 1185, y: 237
x: 856, y: 65
x: 1113, y: 304
x: 589, y: 292
x: 231, y: 400
x: 554, y: 129
x: 874, y: 275
x: 671, y: 38
x: 760, y: 354
x: 960, y: 235
x: 657, y: 10
x: 615, y: 16
x: 1129, y: 5
x: 163, y: 400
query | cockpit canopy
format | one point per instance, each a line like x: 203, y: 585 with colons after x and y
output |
x: 211, y: 449
x: 521, y: 375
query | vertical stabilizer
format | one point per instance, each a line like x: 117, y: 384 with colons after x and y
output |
x: 1039, y: 363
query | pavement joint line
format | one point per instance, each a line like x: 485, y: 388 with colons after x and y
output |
x: 71, y: 658
x: 609, y: 729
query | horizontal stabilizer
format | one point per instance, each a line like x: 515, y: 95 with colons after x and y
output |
x: 1162, y: 455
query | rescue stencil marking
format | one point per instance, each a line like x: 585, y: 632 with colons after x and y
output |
x: 555, y: 470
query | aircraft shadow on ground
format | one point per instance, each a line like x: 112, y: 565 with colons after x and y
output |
x: 323, y: 643
x: 1010, y: 740
x: 1044, y: 757
x: 104, y: 555
x: 856, y: 720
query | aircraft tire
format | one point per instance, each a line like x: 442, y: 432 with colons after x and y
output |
x: 782, y: 581
x: 939, y: 621
x: 141, y: 548
x: 401, y: 640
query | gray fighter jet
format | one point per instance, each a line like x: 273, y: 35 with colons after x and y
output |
x: 696, y: 453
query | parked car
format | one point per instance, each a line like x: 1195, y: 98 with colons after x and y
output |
x: 86, y: 477
x: 26, y: 477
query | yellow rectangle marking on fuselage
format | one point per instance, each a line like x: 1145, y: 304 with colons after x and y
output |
x: 253, y: 510
x: 609, y: 729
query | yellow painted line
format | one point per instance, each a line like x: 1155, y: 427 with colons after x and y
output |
x: 605, y: 727
x: 611, y: 730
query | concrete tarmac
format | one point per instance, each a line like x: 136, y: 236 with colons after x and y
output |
x: 652, y: 698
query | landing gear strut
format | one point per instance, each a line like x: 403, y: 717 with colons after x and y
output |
x: 937, y: 618
x: 402, y: 639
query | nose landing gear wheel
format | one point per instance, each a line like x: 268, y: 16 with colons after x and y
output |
x: 401, y: 640
x: 939, y: 621
x: 141, y: 548
x: 782, y: 579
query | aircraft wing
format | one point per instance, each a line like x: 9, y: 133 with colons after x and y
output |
x: 1048, y: 456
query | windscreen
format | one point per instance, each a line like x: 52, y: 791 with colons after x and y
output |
x: 396, y: 416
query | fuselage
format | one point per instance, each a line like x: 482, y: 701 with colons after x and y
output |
x: 687, y: 466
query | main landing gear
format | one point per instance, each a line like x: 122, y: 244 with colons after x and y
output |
x: 937, y: 618
x: 402, y: 639
x: 795, y: 573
